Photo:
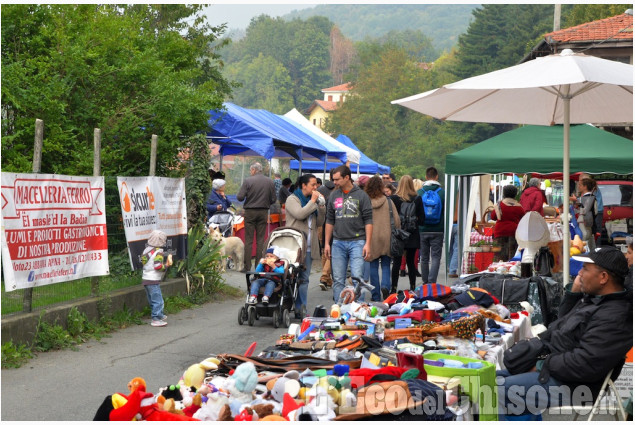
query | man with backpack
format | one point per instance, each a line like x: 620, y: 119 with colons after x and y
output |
x: 432, y: 197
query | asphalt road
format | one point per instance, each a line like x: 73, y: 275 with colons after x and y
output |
x: 70, y: 385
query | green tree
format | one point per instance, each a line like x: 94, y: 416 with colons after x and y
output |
x: 500, y: 35
x: 390, y: 134
x: 265, y: 84
x: 131, y: 71
x: 582, y: 13
x: 302, y: 47
x: 197, y: 181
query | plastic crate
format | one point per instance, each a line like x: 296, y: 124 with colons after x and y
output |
x: 471, y: 382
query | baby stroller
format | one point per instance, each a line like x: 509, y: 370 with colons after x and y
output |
x: 224, y: 221
x: 292, y: 246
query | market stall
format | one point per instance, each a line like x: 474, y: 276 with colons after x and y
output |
x: 528, y: 149
x: 428, y: 354
x: 365, y: 165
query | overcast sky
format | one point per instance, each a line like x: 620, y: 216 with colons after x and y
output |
x: 239, y: 15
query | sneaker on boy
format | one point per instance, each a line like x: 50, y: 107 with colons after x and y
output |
x: 265, y: 299
x: 252, y: 300
x: 158, y: 323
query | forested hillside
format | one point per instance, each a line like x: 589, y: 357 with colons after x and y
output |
x: 282, y: 64
x: 440, y: 22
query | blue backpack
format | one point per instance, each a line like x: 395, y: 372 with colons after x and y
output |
x: 432, y: 206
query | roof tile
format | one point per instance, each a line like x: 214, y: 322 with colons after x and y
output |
x: 341, y: 87
x: 618, y: 27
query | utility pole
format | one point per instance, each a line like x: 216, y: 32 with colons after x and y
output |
x: 556, y: 16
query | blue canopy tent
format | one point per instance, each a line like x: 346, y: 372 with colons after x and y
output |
x: 366, y: 165
x: 257, y: 132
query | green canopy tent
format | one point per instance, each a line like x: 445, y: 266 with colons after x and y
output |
x: 538, y: 149
x: 529, y: 149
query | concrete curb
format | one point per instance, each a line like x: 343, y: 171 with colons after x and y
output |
x: 21, y: 327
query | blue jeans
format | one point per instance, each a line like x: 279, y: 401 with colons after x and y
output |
x: 269, y: 286
x: 343, y: 254
x: 431, y: 250
x: 454, y: 249
x: 522, y: 394
x: 366, y: 272
x: 374, y: 276
x: 155, y: 299
x: 303, y: 283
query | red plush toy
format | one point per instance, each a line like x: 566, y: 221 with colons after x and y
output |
x: 138, y: 404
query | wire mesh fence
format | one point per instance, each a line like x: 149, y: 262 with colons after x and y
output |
x: 121, y: 274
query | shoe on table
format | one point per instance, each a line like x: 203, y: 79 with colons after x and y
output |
x: 252, y: 300
x: 265, y: 299
x: 159, y: 323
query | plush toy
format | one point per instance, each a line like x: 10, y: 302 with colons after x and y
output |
x: 197, y: 402
x: 263, y: 410
x: 245, y: 377
x: 120, y: 407
x: 210, y: 410
x: 137, y: 405
x: 170, y: 406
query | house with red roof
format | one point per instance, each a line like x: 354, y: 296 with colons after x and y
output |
x: 333, y: 97
x: 608, y: 38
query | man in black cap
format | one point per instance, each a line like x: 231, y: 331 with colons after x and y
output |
x: 592, y: 335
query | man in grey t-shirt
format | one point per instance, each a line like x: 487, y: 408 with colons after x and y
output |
x: 349, y: 222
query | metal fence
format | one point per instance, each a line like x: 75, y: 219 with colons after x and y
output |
x: 120, y: 271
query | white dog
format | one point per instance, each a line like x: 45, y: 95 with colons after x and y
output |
x: 232, y: 247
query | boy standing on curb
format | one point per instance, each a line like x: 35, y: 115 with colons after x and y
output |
x: 155, y: 264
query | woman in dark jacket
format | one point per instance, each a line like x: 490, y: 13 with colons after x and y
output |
x: 406, y: 193
x: 217, y: 201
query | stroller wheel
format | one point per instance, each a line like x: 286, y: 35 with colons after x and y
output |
x: 252, y: 315
x: 242, y: 315
x: 276, y: 318
x: 286, y: 320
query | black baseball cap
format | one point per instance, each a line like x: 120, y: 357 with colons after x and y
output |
x: 609, y: 258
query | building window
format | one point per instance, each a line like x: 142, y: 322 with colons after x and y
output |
x: 330, y: 98
x: 314, y: 121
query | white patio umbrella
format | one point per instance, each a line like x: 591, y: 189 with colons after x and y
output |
x: 557, y: 89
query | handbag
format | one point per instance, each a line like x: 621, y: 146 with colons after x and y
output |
x: 522, y: 356
x: 398, y: 237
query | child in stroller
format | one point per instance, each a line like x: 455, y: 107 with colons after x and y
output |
x: 271, y: 263
x: 291, y: 246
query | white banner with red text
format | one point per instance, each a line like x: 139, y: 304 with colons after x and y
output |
x: 149, y: 203
x: 53, y: 229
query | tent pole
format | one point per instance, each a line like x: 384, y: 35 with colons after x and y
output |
x: 300, y: 166
x: 242, y: 176
x: 565, y: 177
x: 324, y: 173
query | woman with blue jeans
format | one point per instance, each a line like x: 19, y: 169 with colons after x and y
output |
x: 380, y: 240
x: 305, y: 210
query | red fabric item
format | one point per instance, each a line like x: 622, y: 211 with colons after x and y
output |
x: 128, y: 410
x: 367, y: 375
x: 532, y: 199
x: 433, y: 291
x: 514, y: 315
x: 419, y: 316
x: 506, y: 226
